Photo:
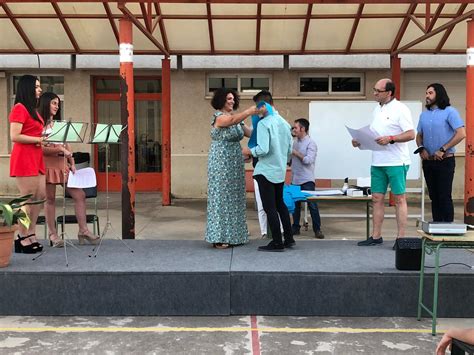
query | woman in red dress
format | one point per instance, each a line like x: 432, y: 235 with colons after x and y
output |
x: 26, y: 161
x: 56, y: 172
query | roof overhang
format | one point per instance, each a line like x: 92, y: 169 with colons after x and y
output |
x: 229, y: 27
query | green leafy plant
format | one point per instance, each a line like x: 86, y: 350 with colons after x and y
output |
x: 13, y: 212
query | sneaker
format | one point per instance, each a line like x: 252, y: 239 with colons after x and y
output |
x: 295, y: 231
x: 369, y: 242
x: 264, y: 236
x: 318, y: 234
x: 272, y: 246
x: 289, y: 243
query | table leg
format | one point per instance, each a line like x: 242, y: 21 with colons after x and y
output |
x: 422, y: 276
x: 367, y: 221
x: 435, y: 289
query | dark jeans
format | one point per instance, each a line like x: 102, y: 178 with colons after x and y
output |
x: 313, y: 209
x: 439, y: 176
x: 274, y: 206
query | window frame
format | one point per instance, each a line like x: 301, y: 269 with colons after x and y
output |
x: 330, y: 92
x: 239, y: 78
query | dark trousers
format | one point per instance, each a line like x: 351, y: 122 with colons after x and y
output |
x: 313, y: 209
x: 274, y: 206
x: 439, y: 176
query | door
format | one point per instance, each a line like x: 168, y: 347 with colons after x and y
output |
x: 147, y: 132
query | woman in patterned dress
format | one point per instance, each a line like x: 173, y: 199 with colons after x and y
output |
x: 226, y: 203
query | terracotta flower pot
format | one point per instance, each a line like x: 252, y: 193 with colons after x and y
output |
x: 6, y: 244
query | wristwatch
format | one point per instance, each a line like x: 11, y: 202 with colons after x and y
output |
x: 392, y: 141
x: 442, y: 150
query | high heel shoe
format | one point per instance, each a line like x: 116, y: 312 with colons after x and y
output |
x: 55, y: 242
x: 25, y: 249
x: 38, y: 246
x: 89, y: 237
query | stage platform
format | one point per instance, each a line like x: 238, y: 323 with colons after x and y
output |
x: 169, y: 277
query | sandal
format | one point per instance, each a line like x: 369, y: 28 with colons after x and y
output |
x: 221, y: 245
x: 55, y: 242
x: 39, y: 247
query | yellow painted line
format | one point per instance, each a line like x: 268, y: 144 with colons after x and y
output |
x: 209, y: 329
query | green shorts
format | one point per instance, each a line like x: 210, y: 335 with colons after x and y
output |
x: 396, y: 176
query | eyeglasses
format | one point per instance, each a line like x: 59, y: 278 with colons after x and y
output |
x: 378, y: 91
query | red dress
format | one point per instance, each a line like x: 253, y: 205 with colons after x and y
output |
x: 26, y: 159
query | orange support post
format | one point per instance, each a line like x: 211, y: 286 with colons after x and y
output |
x: 395, y: 64
x: 166, y: 131
x: 469, y: 163
x: 127, y: 113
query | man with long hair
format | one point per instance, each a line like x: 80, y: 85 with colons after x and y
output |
x: 440, y: 129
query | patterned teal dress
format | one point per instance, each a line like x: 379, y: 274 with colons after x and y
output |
x: 226, y: 202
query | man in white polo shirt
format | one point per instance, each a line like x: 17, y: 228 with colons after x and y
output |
x: 393, y: 124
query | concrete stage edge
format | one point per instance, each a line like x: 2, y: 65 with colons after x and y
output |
x: 318, y: 278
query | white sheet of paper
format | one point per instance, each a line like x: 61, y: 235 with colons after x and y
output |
x: 366, y: 137
x: 324, y: 192
x: 82, y: 178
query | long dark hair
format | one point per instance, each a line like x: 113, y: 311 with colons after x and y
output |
x: 25, y: 95
x: 44, y: 107
x: 442, y: 98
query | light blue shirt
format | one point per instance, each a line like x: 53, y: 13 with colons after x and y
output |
x: 438, y: 127
x: 273, y: 148
x: 303, y: 170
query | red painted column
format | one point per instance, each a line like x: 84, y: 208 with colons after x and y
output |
x: 395, y: 65
x: 166, y: 130
x: 469, y: 163
x: 127, y: 113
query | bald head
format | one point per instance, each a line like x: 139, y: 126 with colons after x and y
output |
x: 384, y: 90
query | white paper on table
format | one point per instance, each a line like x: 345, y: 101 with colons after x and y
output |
x: 83, y: 178
x: 366, y: 137
x: 324, y: 192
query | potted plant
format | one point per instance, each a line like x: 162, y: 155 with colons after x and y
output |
x: 12, y: 213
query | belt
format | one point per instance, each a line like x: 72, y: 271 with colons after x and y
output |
x: 447, y: 155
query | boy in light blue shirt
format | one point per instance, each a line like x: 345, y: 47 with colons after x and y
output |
x: 273, y: 150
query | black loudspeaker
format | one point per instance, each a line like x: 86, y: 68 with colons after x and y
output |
x: 408, y: 254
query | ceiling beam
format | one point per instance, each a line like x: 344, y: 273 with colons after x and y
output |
x: 209, y: 25
x: 66, y: 27
x: 435, y: 18
x: 403, y: 28
x: 146, y: 17
x: 259, y: 26
x: 18, y: 28
x: 439, y: 29
x: 418, y: 23
x: 164, y: 36
x: 354, y: 28
x: 450, y: 29
x: 142, y: 28
x: 338, y: 2
x: 229, y: 17
x: 306, y: 26
x: 111, y: 21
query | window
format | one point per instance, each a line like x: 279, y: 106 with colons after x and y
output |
x: 332, y: 84
x: 245, y: 84
x: 142, y: 86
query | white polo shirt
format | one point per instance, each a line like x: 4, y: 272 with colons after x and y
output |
x: 392, y: 119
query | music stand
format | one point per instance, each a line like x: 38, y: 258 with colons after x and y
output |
x: 107, y: 134
x: 66, y: 132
